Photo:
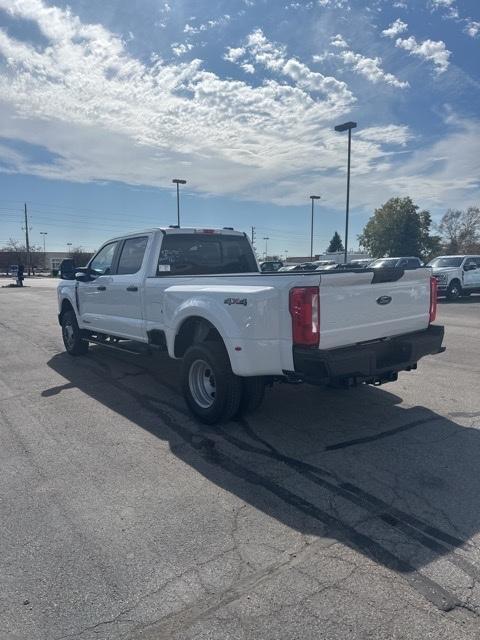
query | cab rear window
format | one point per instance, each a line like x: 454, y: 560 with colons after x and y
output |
x: 202, y: 254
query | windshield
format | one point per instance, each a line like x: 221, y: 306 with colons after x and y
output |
x: 445, y: 262
x: 384, y: 262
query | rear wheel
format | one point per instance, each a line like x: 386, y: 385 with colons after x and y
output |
x: 454, y: 291
x: 211, y: 389
x: 72, y: 340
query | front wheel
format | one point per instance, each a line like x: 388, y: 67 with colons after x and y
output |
x: 454, y: 291
x: 211, y: 389
x: 72, y: 340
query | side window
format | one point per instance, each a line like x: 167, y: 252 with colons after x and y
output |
x: 132, y: 254
x: 469, y: 262
x: 413, y: 263
x: 198, y: 254
x: 189, y: 255
x: 102, y: 262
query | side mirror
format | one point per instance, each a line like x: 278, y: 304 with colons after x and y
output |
x: 469, y: 267
x: 81, y: 276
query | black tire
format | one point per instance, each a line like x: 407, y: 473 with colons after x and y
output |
x: 74, y: 345
x: 454, y: 291
x: 211, y: 389
x: 252, y: 396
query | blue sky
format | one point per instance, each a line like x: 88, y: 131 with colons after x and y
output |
x: 102, y: 104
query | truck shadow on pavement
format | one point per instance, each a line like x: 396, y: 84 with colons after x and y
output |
x: 400, y: 485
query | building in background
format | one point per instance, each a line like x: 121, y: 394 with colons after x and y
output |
x: 48, y: 261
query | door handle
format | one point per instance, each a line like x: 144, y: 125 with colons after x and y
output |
x: 132, y: 288
x: 101, y: 288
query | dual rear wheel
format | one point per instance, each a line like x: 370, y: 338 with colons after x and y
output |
x: 212, y: 391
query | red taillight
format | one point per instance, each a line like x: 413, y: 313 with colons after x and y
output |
x: 433, y: 299
x: 305, y: 312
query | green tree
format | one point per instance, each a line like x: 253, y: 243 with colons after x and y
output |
x: 460, y: 230
x: 397, y: 228
x: 336, y: 243
x: 80, y: 256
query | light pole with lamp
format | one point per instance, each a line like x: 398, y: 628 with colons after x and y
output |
x: 347, y: 126
x: 69, y: 251
x: 312, y: 198
x: 44, y: 233
x: 177, y: 181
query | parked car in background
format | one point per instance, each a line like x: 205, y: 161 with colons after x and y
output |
x: 342, y: 266
x: 457, y: 276
x: 271, y: 265
x: 361, y: 263
x: 409, y: 262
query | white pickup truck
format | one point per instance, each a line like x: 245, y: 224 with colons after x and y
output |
x: 199, y: 294
x: 456, y: 276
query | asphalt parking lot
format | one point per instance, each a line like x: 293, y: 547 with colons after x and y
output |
x: 327, y: 514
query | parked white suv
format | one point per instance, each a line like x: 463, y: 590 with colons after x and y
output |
x: 456, y: 275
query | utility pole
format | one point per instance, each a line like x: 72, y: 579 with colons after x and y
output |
x: 27, y: 243
x: 266, y: 238
x: 44, y: 233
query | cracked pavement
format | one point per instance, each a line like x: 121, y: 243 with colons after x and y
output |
x: 327, y: 514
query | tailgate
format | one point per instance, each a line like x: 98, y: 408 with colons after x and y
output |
x: 357, y: 307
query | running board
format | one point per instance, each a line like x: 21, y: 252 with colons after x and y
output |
x: 116, y: 347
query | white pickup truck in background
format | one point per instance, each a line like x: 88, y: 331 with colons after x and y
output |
x: 199, y: 295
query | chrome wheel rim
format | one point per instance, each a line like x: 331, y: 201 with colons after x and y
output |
x: 202, y: 384
x: 455, y: 291
x: 69, y: 335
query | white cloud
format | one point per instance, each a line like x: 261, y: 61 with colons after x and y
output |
x: 105, y: 115
x: 432, y: 50
x: 472, y: 28
x: 247, y: 67
x: 179, y: 48
x: 371, y: 69
x: 337, y: 4
x: 442, y: 3
x: 273, y: 57
x: 210, y: 24
x: 389, y: 134
x: 338, y: 41
x: 189, y: 29
x: 395, y: 28
x: 401, y: 4
x: 234, y: 53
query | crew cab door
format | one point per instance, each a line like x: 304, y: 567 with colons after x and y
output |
x: 92, y: 295
x: 471, y: 273
x: 124, y: 293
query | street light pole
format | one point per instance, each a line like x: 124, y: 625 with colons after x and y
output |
x: 311, y: 227
x: 266, y: 246
x: 44, y: 233
x: 69, y: 251
x: 177, y: 181
x: 347, y: 126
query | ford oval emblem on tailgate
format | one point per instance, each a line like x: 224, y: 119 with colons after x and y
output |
x: 384, y: 300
